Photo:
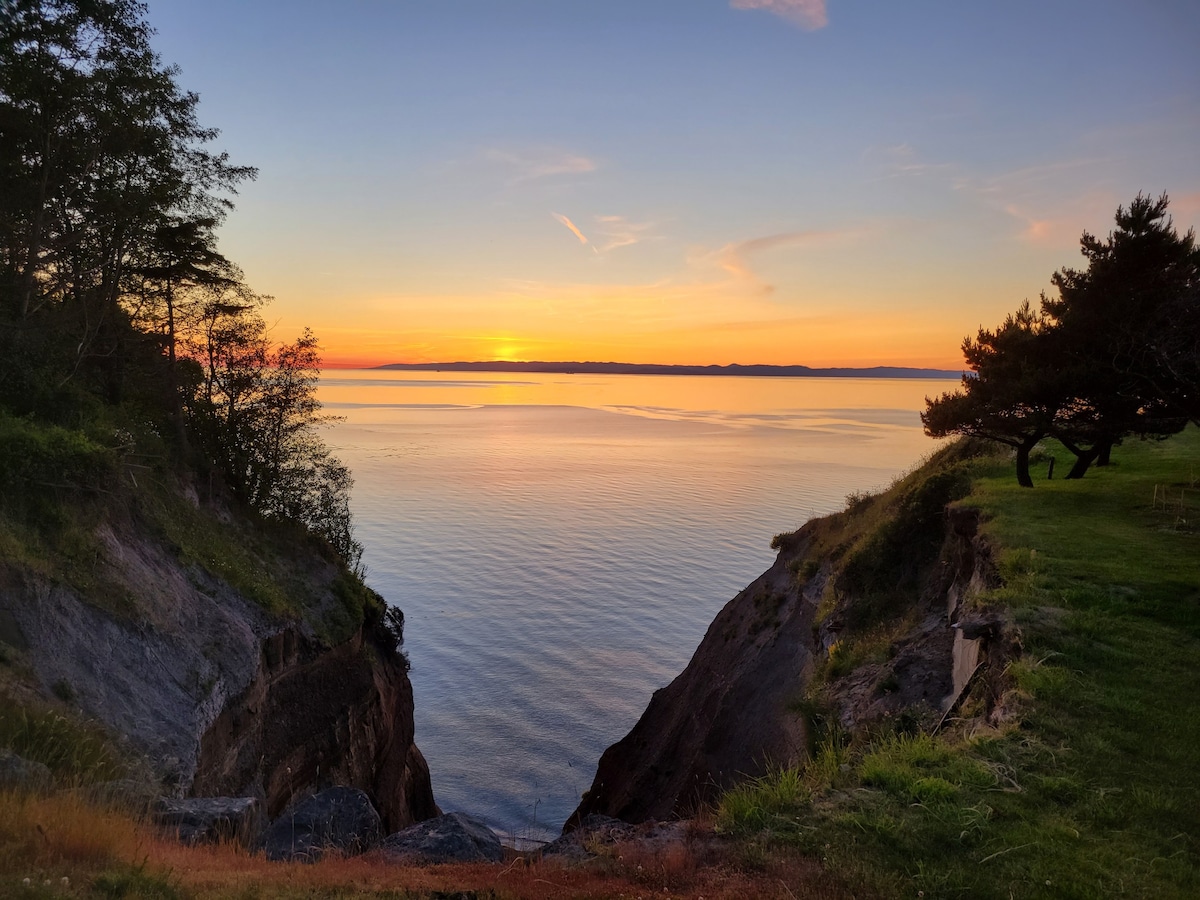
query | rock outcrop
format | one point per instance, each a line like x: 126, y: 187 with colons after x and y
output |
x: 728, y: 715
x: 311, y: 718
x: 221, y: 696
x: 209, y: 820
x: 871, y: 599
x: 338, y: 820
x: 454, y: 837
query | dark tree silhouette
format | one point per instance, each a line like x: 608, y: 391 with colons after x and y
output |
x: 109, y: 202
x: 1113, y: 355
x: 1110, y: 317
x: 1014, y: 394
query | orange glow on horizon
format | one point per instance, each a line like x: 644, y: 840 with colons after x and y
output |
x: 875, y: 341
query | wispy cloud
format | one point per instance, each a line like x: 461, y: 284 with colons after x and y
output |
x: 570, y: 226
x: 808, y: 14
x: 530, y: 165
x: 735, y: 258
x: 1047, y: 200
x: 902, y: 159
x: 618, y: 232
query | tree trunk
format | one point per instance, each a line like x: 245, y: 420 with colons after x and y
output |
x: 1105, y: 455
x: 1023, y: 477
x: 1083, y: 461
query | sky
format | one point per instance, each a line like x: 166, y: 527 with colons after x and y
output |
x: 818, y: 182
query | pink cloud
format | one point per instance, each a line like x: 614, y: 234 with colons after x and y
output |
x: 808, y: 14
x: 567, y: 223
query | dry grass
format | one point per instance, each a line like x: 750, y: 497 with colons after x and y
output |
x: 105, y: 854
x: 629, y: 872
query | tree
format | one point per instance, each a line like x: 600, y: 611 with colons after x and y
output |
x: 254, y: 406
x: 99, y: 149
x: 177, y: 265
x: 1014, y: 395
x: 1113, y: 355
x: 109, y: 205
x: 1110, y: 317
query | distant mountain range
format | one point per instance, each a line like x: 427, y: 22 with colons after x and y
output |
x: 611, y: 368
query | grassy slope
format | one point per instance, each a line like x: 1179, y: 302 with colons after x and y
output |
x: 59, y: 486
x: 1095, y: 789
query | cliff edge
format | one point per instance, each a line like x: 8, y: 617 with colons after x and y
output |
x: 234, y: 655
x: 863, y: 619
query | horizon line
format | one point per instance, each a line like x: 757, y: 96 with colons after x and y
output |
x: 618, y: 368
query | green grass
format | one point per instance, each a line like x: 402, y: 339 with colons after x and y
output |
x: 60, y: 487
x: 1095, y: 791
x: 76, y: 753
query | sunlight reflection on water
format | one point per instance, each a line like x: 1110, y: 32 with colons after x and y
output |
x: 559, y: 544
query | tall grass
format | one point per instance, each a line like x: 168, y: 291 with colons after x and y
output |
x: 76, y: 753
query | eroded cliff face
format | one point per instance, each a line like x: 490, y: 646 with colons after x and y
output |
x: 217, y: 695
x: 741, y: 706
x: 729, y: 713
x: 312, y: 718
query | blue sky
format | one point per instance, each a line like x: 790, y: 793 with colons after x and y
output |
x: 793, y: 181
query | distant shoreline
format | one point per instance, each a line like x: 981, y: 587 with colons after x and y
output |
x: 610, y: 368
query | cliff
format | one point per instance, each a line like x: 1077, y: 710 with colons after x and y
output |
x: 236, y: 656
x: 863, y: 619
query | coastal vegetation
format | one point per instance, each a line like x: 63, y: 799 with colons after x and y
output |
x: 128, y: 343
x: 1086, y: 786
x: 1083, y: 786
x: 1115, y: 354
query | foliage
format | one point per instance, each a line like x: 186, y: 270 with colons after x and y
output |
x: 884, y: 565
x: 37, y: 458
x: 113, y: 295
x: 1124, y: 310
x: 1015, y: 394
x: 1103, y: 360
x: 255, y: 410
x: 76, y: 753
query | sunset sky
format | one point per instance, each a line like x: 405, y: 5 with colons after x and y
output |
x: 681, y: 181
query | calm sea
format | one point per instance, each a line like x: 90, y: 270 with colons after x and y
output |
x: 560, y: 543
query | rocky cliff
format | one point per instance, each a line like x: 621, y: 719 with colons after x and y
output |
x: 865, y: 618
x: 233, y: 656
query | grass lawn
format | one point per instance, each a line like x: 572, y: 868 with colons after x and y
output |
x: 1094, y: 790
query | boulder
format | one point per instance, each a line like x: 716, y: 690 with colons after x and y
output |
x: 210, y: 820
x: 339, y: 819
x: 454, y: 837
x: 590, y: 833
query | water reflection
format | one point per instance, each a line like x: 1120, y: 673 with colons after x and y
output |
x: 560, y: 543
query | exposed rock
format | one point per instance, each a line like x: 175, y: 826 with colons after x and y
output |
x: 454, y: 837
x: 732, y: 714
x: 25, y: 775
x: 210, y: 820
x: 313, y: 718
x: 221, y: 697
x: 338, y: 819
x: 590, y: 833
x: 728, y: 715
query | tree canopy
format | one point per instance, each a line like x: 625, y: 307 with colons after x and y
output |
x: 1114, y: 354
x: 113, y: 294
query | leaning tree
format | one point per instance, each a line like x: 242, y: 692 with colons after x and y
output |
x: 1013, y: 394
x: 1114, y: 354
